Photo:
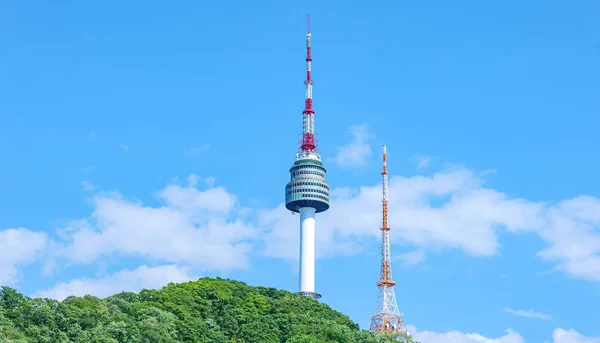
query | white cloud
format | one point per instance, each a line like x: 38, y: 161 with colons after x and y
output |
x: 197, y: 150
x: 530, y: 313
x: 124, y: 147
x: 571, y: 336
x: 559, y: 335
x: 412, y: 258
x: 356, y: 153
x: 423, y: 161
x: 203, y: 228
x: 459, y: 337
x: 573, y: 231
x: 143, y: 277
x: 88, y: 186
x: 18, y: 246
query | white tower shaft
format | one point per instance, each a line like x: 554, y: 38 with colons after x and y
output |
x: 307, y: 249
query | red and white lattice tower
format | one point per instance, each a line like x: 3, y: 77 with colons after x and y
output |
x: 387, y: 318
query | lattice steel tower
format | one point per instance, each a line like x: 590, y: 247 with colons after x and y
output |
x: 387, y: 318
x: 307, y: 192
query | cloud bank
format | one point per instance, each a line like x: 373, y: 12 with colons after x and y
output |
x: 529, y: 313
x: 559, y: 335
x: 143, y: 277
x: 204, y: 226
x: 356, y: 153
x: 201, y: 225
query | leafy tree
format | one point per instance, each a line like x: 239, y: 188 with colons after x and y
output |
x: 210, y: 310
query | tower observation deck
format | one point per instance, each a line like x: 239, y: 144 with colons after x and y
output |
x: 307, y: 192
x: 307, y: 186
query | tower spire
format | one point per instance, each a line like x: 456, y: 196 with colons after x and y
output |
x: 387, y: 318
x: 308, y: 115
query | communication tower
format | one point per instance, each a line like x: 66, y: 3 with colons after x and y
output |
x: 387, y: 318
x: 307, y: 192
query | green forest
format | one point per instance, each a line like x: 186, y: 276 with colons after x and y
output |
x: 207, y: 310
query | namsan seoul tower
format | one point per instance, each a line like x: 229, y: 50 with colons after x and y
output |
x: 387, y: 318
x: 307, y: 192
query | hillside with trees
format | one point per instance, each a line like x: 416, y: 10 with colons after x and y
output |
x: 207, y: 310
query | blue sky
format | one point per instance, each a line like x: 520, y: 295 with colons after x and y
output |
x: 146, y: 142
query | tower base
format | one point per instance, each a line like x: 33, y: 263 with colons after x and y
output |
x: 315, y: 296
x: 387, y: 323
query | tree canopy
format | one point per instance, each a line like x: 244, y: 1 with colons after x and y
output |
x: 207, y: 310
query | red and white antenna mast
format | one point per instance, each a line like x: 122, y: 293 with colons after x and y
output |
x: 387, y: 318
x: 308, y: 123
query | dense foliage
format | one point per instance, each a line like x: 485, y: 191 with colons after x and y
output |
x: 207, y: 310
